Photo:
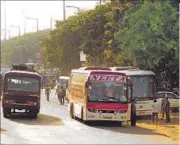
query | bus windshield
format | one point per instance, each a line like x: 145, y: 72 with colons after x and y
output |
x: 143, y: 86
x: 24, y: 84
x: 107, y: 91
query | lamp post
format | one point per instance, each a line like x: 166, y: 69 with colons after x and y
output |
x: 18, y: 29
x: 8, y: 32
x: 24, y: 18
x: 5, y: 20
x: 79, y: 9
x: 37, y: 21
x: 51, y: 23
x: 64, y: 10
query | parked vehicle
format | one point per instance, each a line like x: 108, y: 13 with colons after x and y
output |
x: 21, y: 91
x: 97, y: 95
x: 144, y: 88
x: 172, y: 97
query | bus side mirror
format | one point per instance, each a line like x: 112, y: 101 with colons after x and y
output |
x: 87, y: 84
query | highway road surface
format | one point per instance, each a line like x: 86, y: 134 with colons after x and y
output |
x: 54, y: 126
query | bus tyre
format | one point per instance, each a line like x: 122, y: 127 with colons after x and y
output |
x: 71, y: 111
x: 6, y: 112
x: 34, y: 115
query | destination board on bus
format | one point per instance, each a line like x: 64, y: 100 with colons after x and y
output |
x: 107, y: 78
x: 142, y: 78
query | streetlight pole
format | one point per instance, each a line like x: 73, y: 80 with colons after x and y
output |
x: 64, y: 10
x: 51, y: 23
x: 79, y: 9
x: 5, y: 20
x: 18, y: 28
x: 8, y: 32
x: 24, y: 18
x: 37, y: 22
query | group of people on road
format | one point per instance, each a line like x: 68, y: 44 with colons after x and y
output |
x: 60, y: 92
x: 165, y: 109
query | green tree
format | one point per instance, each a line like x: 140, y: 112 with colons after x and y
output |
x: 20, y: 49
x: 149, y: 31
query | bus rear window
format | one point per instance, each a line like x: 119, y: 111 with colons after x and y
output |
x: 25, y: 84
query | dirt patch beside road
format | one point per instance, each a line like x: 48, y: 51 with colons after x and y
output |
x: 170, y: 130
x: 2, y: 130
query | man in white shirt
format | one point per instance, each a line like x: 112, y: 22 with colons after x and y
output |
x: 155, y: 111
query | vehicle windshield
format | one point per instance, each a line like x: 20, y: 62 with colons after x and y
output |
x: 24, y: 84
x: 107, y: 92
x: 143, y: 86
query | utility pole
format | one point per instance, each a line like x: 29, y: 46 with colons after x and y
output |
x: 78, y: 8
x: 51, y: 23
x: 18, y: 29
x: 5, y: 20
x: 24, y: 18
x: 64, y: 10
x: 9, y: 33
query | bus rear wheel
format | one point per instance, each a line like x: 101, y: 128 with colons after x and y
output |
x: 6, y: 112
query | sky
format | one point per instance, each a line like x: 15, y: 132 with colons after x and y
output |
x: 16, y: 11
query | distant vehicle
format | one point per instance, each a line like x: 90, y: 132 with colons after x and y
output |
x: 144, y: 88
x: 99, y: 95
x: 172, y: 97
x: 63, y: 81
x: 21, y: 91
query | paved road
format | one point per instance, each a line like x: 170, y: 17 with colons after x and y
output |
x: 53, y: 125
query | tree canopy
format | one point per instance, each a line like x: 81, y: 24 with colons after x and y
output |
x: 121, y: 32
x: 150, y: 36
x: 20, y: 49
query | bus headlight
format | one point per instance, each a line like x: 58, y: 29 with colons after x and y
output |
x: 9, y: 101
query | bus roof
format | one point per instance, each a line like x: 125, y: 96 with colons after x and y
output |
x: 134, y: 72
x: 64, y: 77
x: 94, y: 68
x: 20, y: 72
x: 117, y: 68
x: 94, y: 71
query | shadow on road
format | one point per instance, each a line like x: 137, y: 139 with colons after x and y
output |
x: 117, y: 128
x: 42, y: 119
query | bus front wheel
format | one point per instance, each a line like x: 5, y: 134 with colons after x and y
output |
x: 71, y: 111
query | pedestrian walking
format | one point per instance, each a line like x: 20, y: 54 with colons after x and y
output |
x: 155, y: 112
x: 61, y: 94
x: 167, y: 110
x: 47, y: 92
x: 163, y: 104
x: 133, y: 113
